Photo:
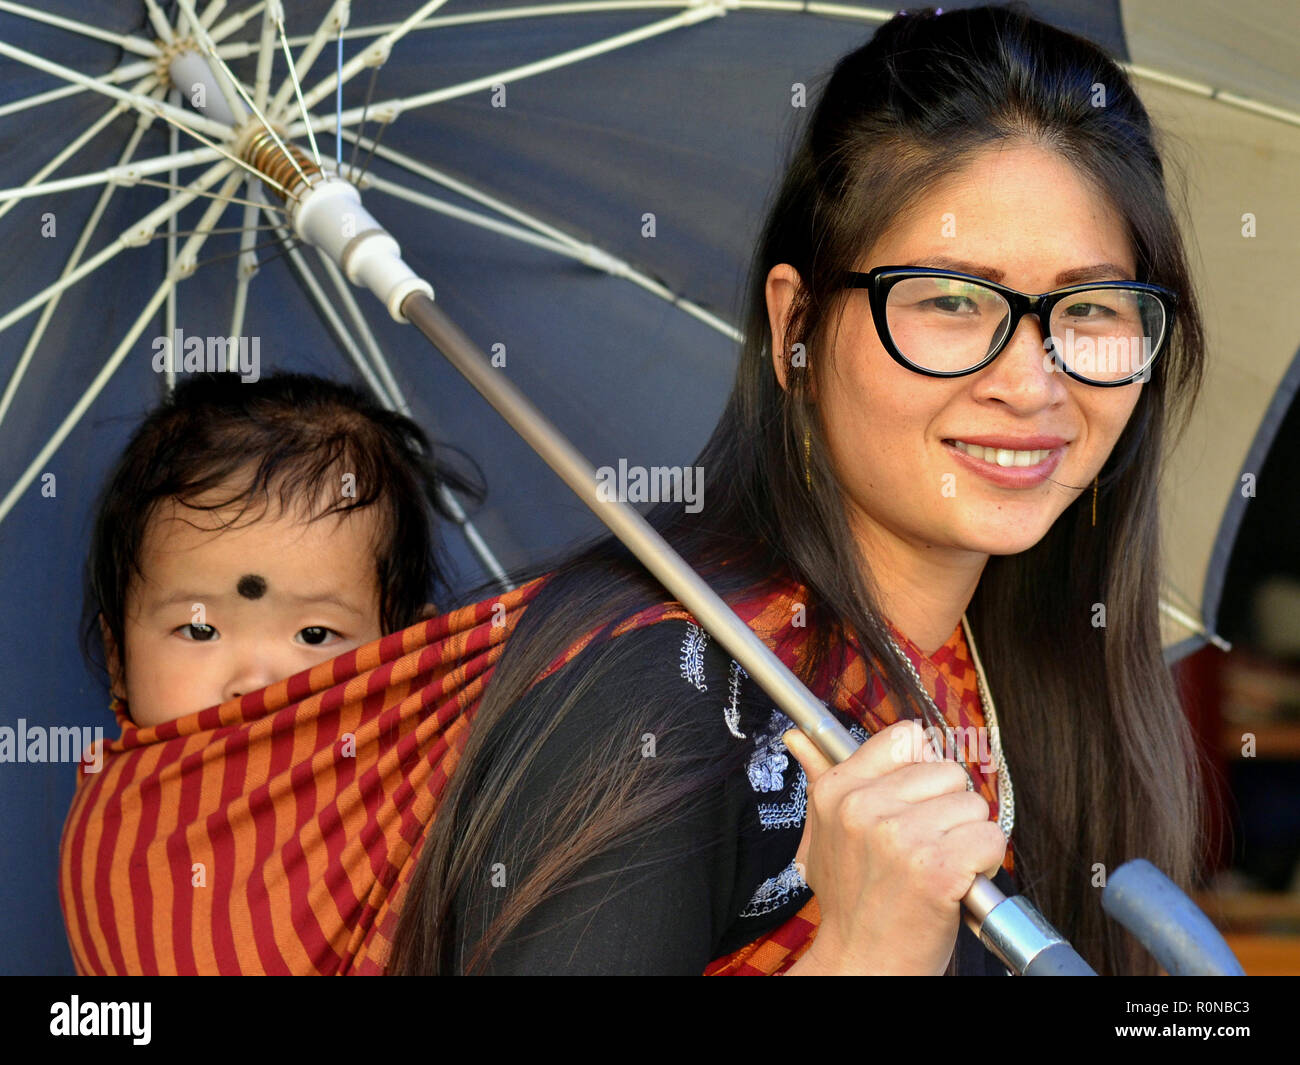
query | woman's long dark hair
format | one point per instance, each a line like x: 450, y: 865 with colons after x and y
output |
x: 1101, y: 754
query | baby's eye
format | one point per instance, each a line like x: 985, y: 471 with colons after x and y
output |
x: 198, y: 633
x: 317, y: 635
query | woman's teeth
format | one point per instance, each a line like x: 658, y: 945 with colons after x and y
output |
x: 1001, y: 456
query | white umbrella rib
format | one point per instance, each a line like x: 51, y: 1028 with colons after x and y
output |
x: 324, y: 306
x: 159, y: 21
x: 533, y: 11
x: 130, y: 174
x: 123, y: 73
x: 173, y: 139
x: 570, y: 248
x: 245, y: 264
x: 80, y: 141
x: 126, y: 42
x: 192, y: 245
x: 587, y: 253
x: 188, y: 120
x: 1192, y: 624
x: 382, y: 384
x: 211, y: 12
x: 265, y: 60
x: 1199, y: 88
x: 468, y: 191
x: 291, y: 82
x: 526, y: 70
x: 83, y: 241
x: 235, y: 23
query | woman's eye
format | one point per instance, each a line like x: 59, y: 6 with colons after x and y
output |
x: 952, y: 304
x: 1086, y: 310
x: 199, y: 633
x: 316, y: 635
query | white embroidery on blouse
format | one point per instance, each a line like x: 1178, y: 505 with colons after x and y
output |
x: 769, y: 761
x: 775, y: 892
x: 731, y: 712
x: 693, y: 656
x: 786, y: 814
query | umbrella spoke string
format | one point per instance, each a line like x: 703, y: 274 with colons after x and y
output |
x: 209, y: 232
x: 234, y: 158
x: 365, y: 110
x: 369, y: 155
x: 379, y: 47
x: 240, y: 251
x: 209, y: 195
x: 297, y: 88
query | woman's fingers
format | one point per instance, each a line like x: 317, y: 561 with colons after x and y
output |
x: 814, y: 764
x: 806, y: 753
x: 916, y: 774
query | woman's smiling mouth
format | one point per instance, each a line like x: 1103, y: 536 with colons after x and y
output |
x: 1007, y: 467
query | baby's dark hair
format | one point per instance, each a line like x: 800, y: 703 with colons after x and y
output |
x: 307, y: 442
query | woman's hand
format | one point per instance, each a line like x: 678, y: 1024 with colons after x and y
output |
x: 892, y: 843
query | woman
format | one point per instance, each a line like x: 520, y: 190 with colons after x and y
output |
x: 634, y: 811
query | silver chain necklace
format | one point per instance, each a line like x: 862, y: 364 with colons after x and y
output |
x: 1006, y: 794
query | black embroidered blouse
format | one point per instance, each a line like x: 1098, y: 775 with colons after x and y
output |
x: 703, y: 886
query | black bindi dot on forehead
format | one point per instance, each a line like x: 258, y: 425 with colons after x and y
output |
x: 251, y: 586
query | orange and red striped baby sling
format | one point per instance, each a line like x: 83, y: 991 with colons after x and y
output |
x: 276, y: 833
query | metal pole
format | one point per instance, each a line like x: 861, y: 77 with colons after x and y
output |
x: 1011, y: 928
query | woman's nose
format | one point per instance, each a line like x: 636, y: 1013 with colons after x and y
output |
x: 1024, y: 371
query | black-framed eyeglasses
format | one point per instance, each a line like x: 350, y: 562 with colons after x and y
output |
x: 945, y: 324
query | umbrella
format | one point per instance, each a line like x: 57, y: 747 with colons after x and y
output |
x: 533, y: 162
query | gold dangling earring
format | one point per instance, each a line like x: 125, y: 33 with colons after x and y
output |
x: 807, y: 458
x: 1094, y: 499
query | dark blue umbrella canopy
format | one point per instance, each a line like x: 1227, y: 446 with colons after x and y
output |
x: 689, y: 127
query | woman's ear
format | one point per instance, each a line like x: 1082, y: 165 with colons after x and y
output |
x: 783, y: 284
x: 117, y: 686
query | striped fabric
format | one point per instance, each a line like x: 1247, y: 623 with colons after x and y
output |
x: 276, y: 833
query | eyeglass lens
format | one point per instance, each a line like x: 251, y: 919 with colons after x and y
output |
x: 948, y: 325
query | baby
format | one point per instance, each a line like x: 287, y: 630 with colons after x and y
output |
x: 251, y: 530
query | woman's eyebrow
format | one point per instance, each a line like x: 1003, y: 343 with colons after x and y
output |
x: 1097, y: 272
